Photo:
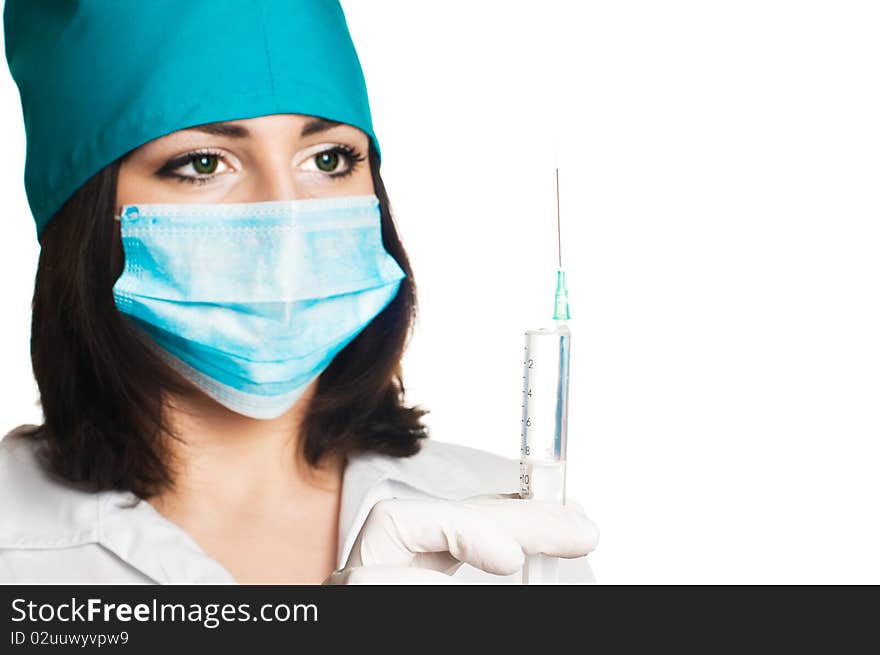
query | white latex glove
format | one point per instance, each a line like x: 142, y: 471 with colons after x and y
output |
x: 424, y: 541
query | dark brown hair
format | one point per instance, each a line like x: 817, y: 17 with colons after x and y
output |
x: 102, y: 389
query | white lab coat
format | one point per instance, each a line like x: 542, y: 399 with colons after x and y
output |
x: 53, y: 533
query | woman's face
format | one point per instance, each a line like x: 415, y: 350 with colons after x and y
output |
x: 276, y: 157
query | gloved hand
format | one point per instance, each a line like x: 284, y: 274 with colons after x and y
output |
x: 424, y: 541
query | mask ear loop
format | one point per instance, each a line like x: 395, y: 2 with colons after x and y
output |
x: 132, y: 211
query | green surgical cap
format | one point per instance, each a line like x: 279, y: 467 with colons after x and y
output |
x: 98, y: 78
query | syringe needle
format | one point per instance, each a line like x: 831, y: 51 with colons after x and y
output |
x: 560, y: 311
x: 558, y: 223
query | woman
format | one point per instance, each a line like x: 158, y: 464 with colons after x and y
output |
x: 220, y: 309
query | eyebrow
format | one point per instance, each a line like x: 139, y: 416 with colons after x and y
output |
x: 239, y: 131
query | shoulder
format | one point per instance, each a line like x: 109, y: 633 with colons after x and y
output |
x: 473, y: 461
x: 452, y: 470
x: 51, y: 531
x: 35, y: 509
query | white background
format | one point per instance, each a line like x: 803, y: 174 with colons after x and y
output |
x: 719, y: 197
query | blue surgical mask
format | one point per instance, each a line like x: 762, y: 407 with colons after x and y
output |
x: 250, y: 302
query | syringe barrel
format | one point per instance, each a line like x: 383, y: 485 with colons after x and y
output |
x: 547, y: 354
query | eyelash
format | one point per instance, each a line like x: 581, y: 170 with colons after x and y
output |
x: 353, y: 156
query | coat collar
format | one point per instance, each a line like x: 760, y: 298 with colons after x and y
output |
x: 37, y: 511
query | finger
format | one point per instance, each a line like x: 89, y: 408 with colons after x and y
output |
x: 543, y: 527
x: 381, y: 575
x: 397, y: 529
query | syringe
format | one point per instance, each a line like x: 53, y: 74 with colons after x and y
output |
x: 545, y: 413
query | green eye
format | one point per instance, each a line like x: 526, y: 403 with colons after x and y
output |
x: 205, y: 164
x: 328, y: 159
